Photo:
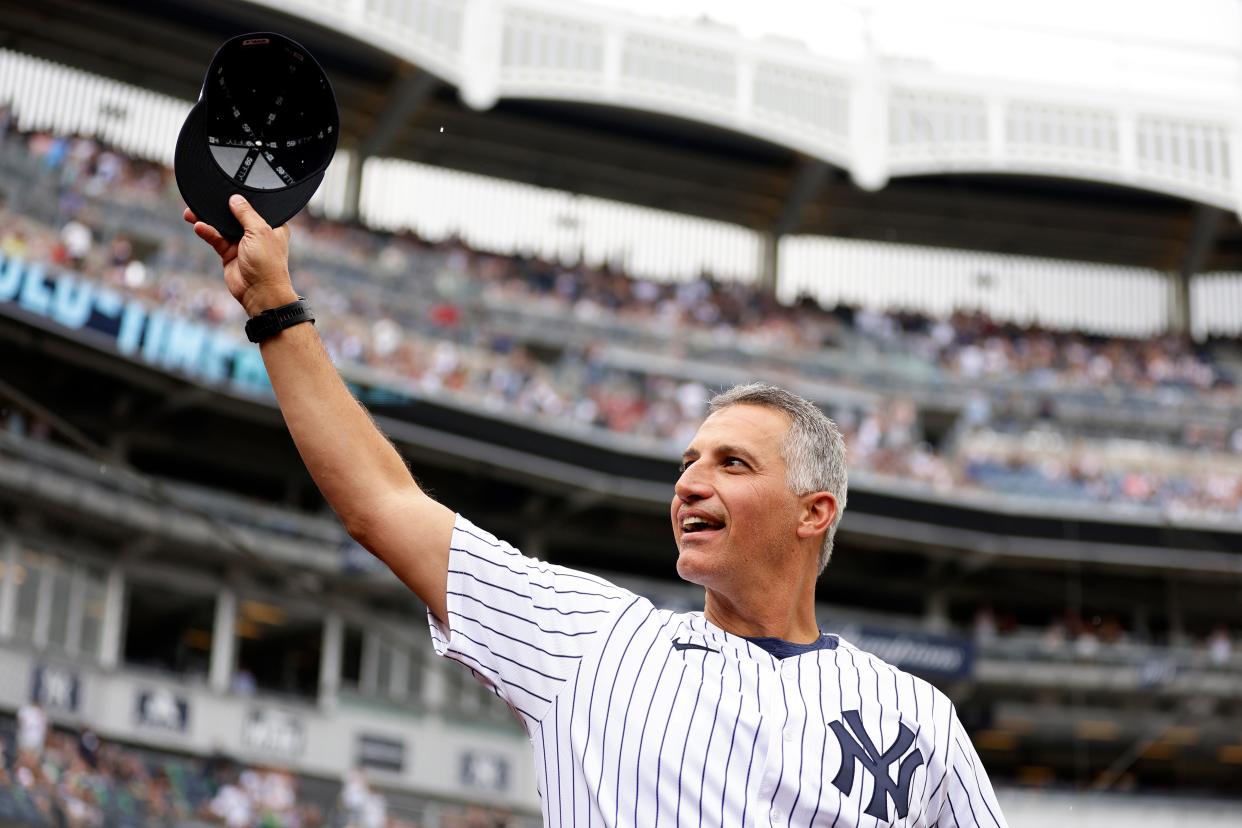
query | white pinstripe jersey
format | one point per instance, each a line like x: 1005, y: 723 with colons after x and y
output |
x: 641, y: 716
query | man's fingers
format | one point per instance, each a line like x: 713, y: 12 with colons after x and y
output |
x: 212, y: 236
x: 250, y: 220
x: 207, y: 233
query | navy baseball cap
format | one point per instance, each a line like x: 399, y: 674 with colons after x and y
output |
x: 265, y: 126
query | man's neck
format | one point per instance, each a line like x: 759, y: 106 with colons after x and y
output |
x: 764, y: 616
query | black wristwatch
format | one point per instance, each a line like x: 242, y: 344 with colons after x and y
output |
x: 274, y: 320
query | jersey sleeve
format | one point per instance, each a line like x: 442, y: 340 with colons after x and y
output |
x: 967, y: 799
x: 520, y: 625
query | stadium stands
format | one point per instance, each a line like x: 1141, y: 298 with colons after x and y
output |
x: 594, y: 349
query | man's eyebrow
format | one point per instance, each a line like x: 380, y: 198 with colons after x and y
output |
x: 694, y: 454
x: 735, y: 450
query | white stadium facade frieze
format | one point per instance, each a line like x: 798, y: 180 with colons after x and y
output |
x: 875, y: 118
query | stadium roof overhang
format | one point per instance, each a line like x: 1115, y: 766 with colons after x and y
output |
x: 657, y: 160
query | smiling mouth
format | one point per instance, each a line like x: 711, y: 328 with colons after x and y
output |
x: 699, y: 526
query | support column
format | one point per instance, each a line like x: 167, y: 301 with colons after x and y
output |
x: 368, y: 682
x: 769, y: 261
x: 435, y: 683
x: 1205, y: 227
x: 8, y: 588
x: 112, y: 626
x: 1179, y: 304
x: 869, y: 116
x: 807, y: 184
x: 77, y: 597
x: 410, y: 89
x: 223, y: 640
x: 480, y: 49
x: 353, y: 185
x: 43, y: 605
x: 936, y: 612
x: 330, y: 659
x: 399, y: 676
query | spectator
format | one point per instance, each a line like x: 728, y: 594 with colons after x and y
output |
x: 243, y: 683
x: 363, y: 807
x: 1220, y: 646
x: 78, y: 240
x: 984, y: 625
x: 232, y: 806
x: 88, y: 747
x: 13, y: 244
x: 31, y: 729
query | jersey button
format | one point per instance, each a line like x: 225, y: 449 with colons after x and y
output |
x: 777, y: 816
x: 789, y: 670
x: 789, y: 735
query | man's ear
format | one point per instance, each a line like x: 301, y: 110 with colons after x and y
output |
x: 818, y: 511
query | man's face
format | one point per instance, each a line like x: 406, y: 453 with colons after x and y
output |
x: 733, y: 513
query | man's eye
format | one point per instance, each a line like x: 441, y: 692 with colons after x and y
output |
x: 734, y: 461
x: 681, y: 468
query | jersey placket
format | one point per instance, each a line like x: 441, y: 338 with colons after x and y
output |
x: 780, y: 730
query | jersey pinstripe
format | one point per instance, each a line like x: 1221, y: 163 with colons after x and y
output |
x: 642, y: 716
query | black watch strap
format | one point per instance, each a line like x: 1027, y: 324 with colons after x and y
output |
x: 274, y: 320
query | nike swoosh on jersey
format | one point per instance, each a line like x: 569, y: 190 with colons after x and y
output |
x: 686, y: 645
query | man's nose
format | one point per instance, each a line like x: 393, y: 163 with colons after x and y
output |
x: 692, y: 486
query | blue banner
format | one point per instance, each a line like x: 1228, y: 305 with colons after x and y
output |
x: 172, y: 343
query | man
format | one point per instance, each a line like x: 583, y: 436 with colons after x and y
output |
x: 743, y: 713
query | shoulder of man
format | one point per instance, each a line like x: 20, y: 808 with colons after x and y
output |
x: 472, y: 540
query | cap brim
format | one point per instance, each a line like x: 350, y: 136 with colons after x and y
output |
x: 206, y: 188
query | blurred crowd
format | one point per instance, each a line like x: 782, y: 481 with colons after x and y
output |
x: 67, y: 778
x: 1100, y: 637
x: 71, y: 778
x: 591, y: 349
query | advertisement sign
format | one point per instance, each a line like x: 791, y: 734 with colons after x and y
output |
x: 380, y: 752
x: 57, y: 688
x: 161, y: 709
x: 276, y: 732
x: 484, y: 771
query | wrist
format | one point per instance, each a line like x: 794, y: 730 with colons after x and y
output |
x: 274, y: 320
x: 257, y: 300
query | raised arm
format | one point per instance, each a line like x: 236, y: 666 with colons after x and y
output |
x: 354, y: 465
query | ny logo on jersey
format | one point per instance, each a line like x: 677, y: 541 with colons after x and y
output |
x: 860, y: 747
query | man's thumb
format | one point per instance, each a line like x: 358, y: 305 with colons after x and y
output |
x: 245, y: 214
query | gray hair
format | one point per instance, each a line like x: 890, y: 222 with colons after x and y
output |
x: 814, y: 449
